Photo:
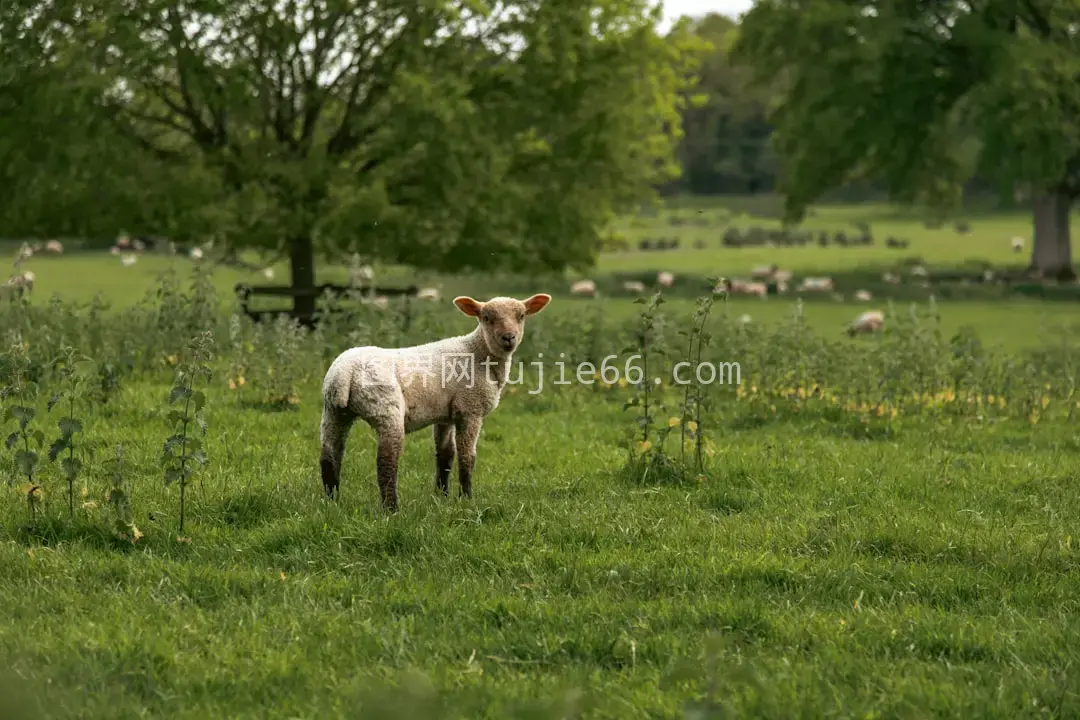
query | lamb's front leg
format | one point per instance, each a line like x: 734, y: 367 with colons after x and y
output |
x: 467, y: 430
x: 444, y: 455
x: 391, y: 443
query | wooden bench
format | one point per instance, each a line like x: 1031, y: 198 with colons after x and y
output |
x: 244, y: 292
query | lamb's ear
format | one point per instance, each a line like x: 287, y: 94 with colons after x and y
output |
x: 468, y: 306
x: 536, y: 303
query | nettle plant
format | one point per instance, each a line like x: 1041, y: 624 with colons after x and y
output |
x: 21, y: 393
x: 72, y: 372
x: 278, y: 363
x: 184, y: 450
x: 695, y: 399
x: 648, y: 462
x: 119, y: 517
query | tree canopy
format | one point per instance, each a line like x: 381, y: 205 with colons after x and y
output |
x: 924, y: 95
x: 441, y: 134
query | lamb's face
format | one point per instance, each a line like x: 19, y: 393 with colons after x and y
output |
x: 502, y: 319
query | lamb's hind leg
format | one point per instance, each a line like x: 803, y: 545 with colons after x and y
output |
x: 333, y: 432
x: 444, y: 456
x: 391, y: 443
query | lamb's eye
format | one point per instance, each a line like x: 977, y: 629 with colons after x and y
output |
x: 486, y: 318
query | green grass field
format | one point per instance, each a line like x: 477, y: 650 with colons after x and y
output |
x: 881, y: 553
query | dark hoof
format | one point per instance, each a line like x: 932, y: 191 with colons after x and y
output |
x: 329, y: 477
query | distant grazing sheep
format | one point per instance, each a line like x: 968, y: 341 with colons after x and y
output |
x: 54, y: 247
x: 1018, y: 244
x: 816, y: 284
x: 744, y: 287
x: 361, y: 274
x: 863, y: 295
x: 19, y: 285
x: 665, y: 279
x: 400, y: 391
x: 634, y: 286
x: 891, y: 278
x: 428, y: 293
x: 763, y: 272
x: 868, y: 322
x: 583, y: 288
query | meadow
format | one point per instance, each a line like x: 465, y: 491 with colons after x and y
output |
x: 862, y: 527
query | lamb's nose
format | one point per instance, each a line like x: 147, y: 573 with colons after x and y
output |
x: 508, y: 338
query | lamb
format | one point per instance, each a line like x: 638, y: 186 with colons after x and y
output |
x: 428, y: 293
x: 1018, y: 244
x: 665, y: 279
x: 54, y: 247
x: 634, y: 286
x: 397, y: 391
x: 868, y: 322
x: 863, y: 295
x: 586, y: 288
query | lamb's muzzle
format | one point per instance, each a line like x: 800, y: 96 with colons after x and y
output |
x: 397, y: 391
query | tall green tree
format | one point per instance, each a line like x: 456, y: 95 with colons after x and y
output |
x: 438, y: 133
x: 924, y: 96
x: 725, y: 146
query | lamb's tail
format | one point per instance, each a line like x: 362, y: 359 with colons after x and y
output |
x: 336, y: 387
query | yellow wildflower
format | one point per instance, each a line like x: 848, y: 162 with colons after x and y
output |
x: 643, y: 446
x: 673, y: 422
x: 691, y: 426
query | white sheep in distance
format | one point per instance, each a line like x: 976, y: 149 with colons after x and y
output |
x: 665, y: 279
x: 400, y: 391
x: 816, y: 284
x: 584, y: 288
x: 1017, y: 244
x: 868, y: 322
x: 763, y: 272
x: 428, y: 293
x: 634, y: 286
x: 54, y: 247
x: 863, y: 296
x: 19, y: 285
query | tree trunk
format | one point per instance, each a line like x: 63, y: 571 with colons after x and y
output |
x: 302, y: 266
x: 1051, y: 253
